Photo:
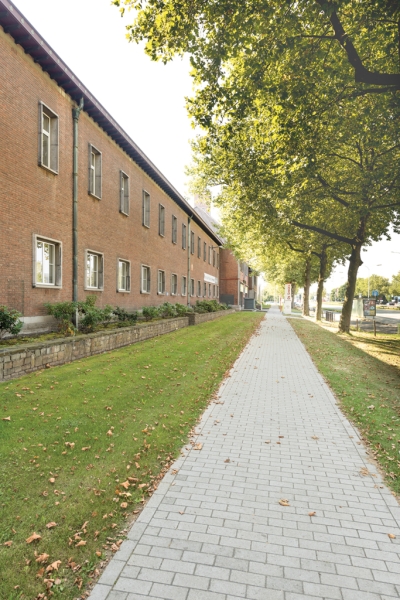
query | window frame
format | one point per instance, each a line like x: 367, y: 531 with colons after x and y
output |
x: 53, y: 138
x: 95, y: 172
x: 146, y: 209
x: 205, y: 251
x: 172, y: 284
x: 184, y: 241
x: 205, y: 289
x: 100, y: 271
x: 161, y: 220
x: 127, y: 289
x: 192, y: 238
x: 162, y: 291
x: 184, y: 286
x: 192, y: 288
x: 148, y: 279
x: 198, y: 247
x: 199, y: 289
x: 174, y: 234
x: 57, y: 285
x: 124, y: 199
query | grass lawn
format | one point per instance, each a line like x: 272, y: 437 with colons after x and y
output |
x: 83, y: 445
x: 364, y: 373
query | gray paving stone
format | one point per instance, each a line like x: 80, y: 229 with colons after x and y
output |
x: 233, y: 538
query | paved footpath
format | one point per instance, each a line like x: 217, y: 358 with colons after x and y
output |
x: 216, y: 531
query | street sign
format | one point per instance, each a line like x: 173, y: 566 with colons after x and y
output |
x: 369, y: 307
x: 375, y: 293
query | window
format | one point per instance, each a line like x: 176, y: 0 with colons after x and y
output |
x: 161, y: 220
x: 209, y: 290
x: 214, y: 255
x: 124, y: 276
x: 94, y: 172
x: 183, y: 236
x: 198, y: 247
x: 174, y: 284
x: 213, y: 291
x: 146, y: 209
x: 218, y: 260
x: 192, y: 287
x: 205, y: 290
x: 161, y: 282
x: 47, y: 263
x: 94, y: 270
x: 205, y: 251
x: 209, y: 254
x: 145, y: 280
x: 124, y: 193
x: 48, y: 138
x: 199, y: 289
x: 184, y: 291
x: 174, y: 230
x: 192, y: 242
x: 217, y: 291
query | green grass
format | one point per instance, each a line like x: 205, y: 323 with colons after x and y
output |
x: 76, y: 434
x: 364, y: 373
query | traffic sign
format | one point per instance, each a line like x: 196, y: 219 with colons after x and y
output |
x: 375, y: 293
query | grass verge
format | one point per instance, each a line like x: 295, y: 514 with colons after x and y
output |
x: 364, y: 374
x: 83, y: 445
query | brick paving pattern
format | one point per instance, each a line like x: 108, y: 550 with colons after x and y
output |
x: 216, y: 531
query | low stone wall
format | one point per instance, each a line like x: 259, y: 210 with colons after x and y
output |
x: 19, y: 360
x: 195, y: 318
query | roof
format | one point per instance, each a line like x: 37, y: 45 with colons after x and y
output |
x: 15, y: 24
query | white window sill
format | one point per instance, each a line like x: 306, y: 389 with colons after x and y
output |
x: 93, y: 289
x: 161, y: 294
x: 124, y: 291
x: 48, y: 286
x: 124, y: 213
x: 143, y: 292
x: 48, y: 169
x: 94, y: 196
x: 146, y: 226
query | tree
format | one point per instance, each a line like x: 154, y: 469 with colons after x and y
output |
x: 376, y: 282
x: 283, y: 86
x: 394, y: 287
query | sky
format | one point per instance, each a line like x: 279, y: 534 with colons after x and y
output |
x: 146, y: 98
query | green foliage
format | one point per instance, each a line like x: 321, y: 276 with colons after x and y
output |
x: 394, y: 288
x: 182, y: 310
x: 204, y: 306
x: 124, y: 317
x: 376, y: 282
x: 150, y: 312
x: 167, y: 310
x: 9, y: 321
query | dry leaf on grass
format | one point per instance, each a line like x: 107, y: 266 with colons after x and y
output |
x: 33, y: 538
x: 52, y: 480
x: 51, y: 525
x: 124, y: 505
x: 81, y: 543
x: 9, y: 543
x: 42, y: 558
x: 6, y: 419
x: 284, y: 502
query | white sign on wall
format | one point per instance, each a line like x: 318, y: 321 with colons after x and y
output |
x: 287, y: 304
x: 210, y: 278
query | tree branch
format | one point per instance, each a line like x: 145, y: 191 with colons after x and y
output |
x: 361, y: 73
x: 396, y: 204
x: 333, y: 194
x: 330, y: 234
x: 293, y: 248
x: 345, y: 158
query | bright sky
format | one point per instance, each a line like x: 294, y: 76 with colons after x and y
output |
x: 146, y: 98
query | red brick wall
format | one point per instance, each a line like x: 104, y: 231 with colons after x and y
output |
x: 229, y: 274
x: 36, y: 201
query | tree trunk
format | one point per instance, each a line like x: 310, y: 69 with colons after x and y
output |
x: 294, y: 286
x: 307, y: 284
x: 321, y: 281
x: 354, y: 264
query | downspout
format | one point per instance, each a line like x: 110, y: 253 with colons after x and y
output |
x: 188, y: 287
x: 76, y: 111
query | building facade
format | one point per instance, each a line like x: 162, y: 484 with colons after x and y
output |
x: 82, y: 209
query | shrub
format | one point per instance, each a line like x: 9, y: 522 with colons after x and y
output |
x: 203, y: 306
x: 63, y: 312
x: 9, y: 321
x: 92, y: 315
x: 150, y: 312
x: 182, y: 310
x: 167, y: 310
x: 125, y: 317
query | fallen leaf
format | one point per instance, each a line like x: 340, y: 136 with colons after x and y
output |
x: 126, y: 485
x: 109, y: 433
x: 281, y: 436
x: 33, y: 537
x: 52, y: 480
x: 314, y: 437
x: 86, y: 448
x: 51, y: 525
x: 312, y: 514
x: 57, y: 582
x: 6, y: 419
x: 227, y: 460
x: 392, y: 536
x: 124, y: 505
x: 9, y: 544
x: 267, y: 442
x: 81, y: 543
x: 42, y: 558
x: 197, y: 446
x: 284, y: 502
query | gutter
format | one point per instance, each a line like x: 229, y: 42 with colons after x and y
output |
x: 75, y: 116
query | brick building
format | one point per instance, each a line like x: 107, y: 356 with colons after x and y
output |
x: 82, y: 209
